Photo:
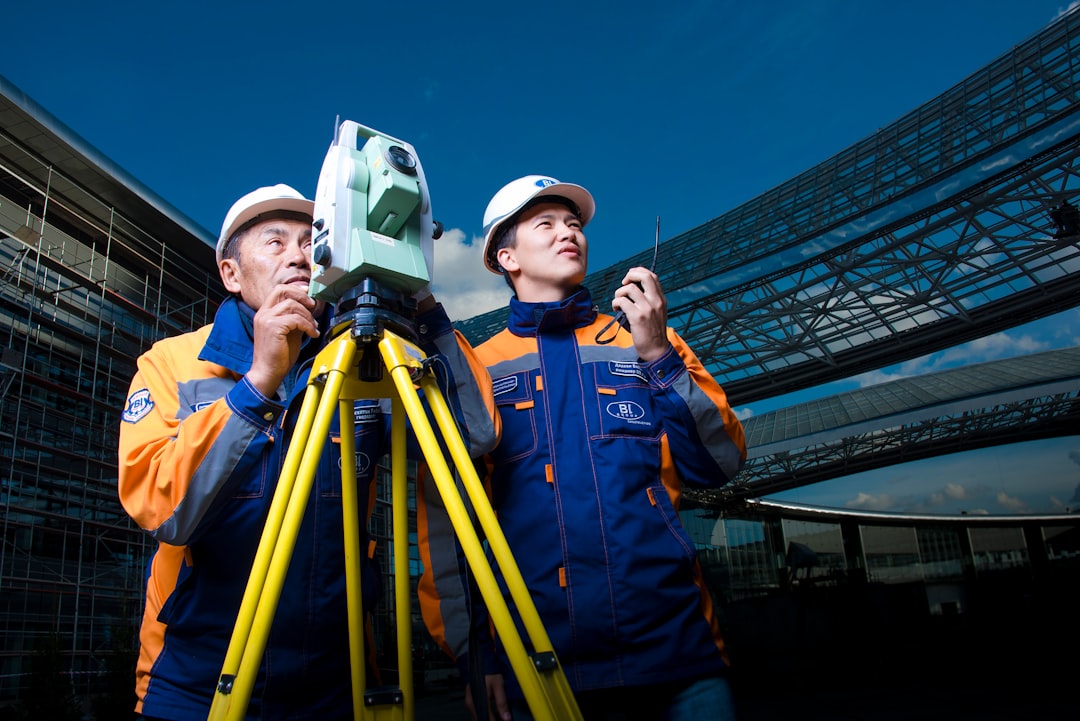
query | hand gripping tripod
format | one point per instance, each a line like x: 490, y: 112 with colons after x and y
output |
x: 334, y: 381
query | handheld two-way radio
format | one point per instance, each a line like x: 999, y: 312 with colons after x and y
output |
x: 620, y: 316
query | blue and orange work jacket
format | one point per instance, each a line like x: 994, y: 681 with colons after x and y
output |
x: 586, y: 482
x: 200, y: 454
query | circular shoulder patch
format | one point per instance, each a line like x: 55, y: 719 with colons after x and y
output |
x: 138, y: 405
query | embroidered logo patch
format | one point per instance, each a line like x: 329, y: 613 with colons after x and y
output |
x: 363, y: 463
x: 504, y: 385
x: 627, y: 411
x: 138, y: 406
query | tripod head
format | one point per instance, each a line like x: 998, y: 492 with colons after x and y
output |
x: 373, y: 247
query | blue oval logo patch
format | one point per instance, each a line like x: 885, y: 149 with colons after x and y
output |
x: 625, y: 410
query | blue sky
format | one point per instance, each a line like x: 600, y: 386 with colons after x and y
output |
x: 681, y: 109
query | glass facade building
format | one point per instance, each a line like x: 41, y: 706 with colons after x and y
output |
x: 93, y: 271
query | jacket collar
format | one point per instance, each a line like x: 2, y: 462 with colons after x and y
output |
x: 231, y: 342
x: 527, y: 319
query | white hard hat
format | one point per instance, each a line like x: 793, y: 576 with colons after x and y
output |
x: 257, y: 202
x: 513, y: 196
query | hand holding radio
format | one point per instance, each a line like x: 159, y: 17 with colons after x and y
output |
x: 641, y: 301
x: 650, y: 339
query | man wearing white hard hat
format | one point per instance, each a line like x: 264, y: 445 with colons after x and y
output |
x: 598, y: 439
x: 204, y: 433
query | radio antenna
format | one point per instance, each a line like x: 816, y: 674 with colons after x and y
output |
x: 620, y: 317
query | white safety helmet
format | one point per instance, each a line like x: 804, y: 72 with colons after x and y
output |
x: 258, y: 202
x: 513, y: 196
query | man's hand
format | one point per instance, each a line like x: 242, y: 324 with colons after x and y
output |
x: 498, y: 706
x: 642, y: 301
x: 286, y: 316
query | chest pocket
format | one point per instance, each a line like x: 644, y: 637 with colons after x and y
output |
x: 624, y: 401
x: 516, y: 401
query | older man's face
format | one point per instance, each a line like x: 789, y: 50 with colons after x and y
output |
x: 272, y: 252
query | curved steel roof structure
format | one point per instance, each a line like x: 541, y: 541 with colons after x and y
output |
x: 943, y: 227
x: 933, y: 231
x: 1006, y: 401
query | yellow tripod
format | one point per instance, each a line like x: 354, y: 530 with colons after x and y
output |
x: 334, y: 382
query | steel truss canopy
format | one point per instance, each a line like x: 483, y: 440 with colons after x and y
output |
x: 955, y: 222
x: 1006, y: 401
x: 935, y: 230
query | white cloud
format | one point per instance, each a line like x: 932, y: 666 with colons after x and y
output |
x: 998, y: 345
x: 871, y: 502
x: 955, y: 491
x: 461, y: 282
x: 943, y: 499
x: 933, y: 500
x: 992, y: 347
x: 1011, y: 503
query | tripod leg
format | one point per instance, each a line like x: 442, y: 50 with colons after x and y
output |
x: 248, y: 642
x: 400, y: 509
x: 353, y: 577
x: 486, y: 516
x: 543, y: 666
x: 541, y: 677
x: 388, y: 703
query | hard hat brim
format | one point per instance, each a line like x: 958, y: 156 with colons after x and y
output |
x: 256, y: 207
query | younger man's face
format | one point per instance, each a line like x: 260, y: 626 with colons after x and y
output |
x: 550, y: 253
